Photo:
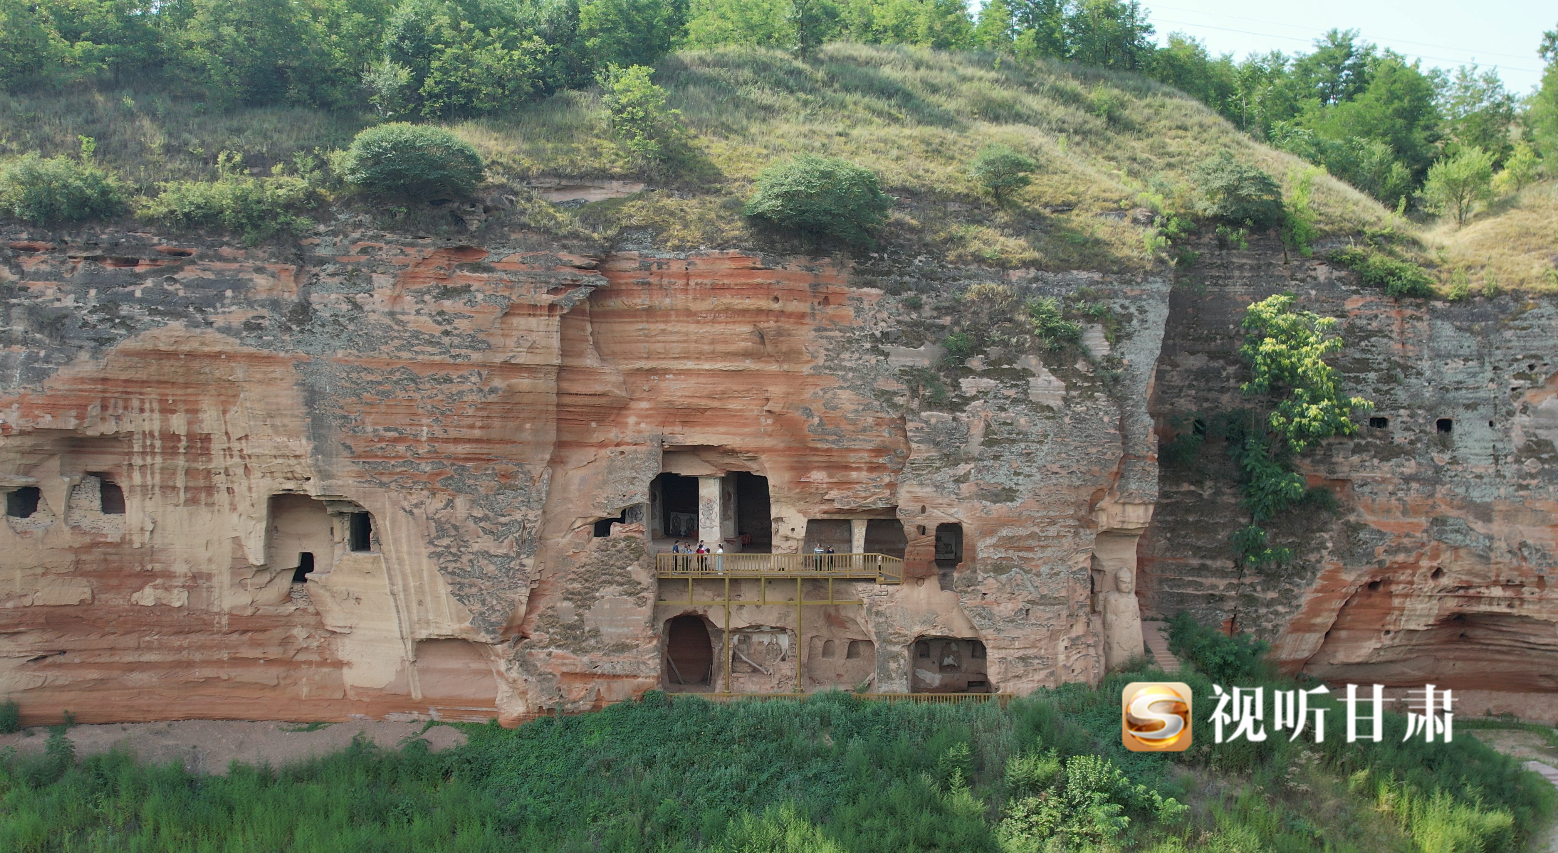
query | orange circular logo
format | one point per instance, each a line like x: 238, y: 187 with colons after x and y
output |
x: 1155, y: 716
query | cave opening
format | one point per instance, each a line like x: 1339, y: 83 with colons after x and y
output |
x: 678, y: 497
x: 110, y: 498
x: 602, y: 528
x: 23, y: 502
x: 949, y: 665
x: 689, y: 652
x: 886, y: 536
x: 1379, y: 423
x: 360, y: 532
x: 754, y: 522
x: 1444, y: 426
x: 305, y: 567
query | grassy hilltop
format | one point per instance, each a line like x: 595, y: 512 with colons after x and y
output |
x: 1116, y: 155
x: 1106, y: 144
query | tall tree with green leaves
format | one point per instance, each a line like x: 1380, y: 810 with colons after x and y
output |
x: 1455, y: 185
x: 1478, y: 112
x: 1542, y: 115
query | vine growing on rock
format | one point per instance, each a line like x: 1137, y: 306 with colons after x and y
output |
x: 1302, y: 404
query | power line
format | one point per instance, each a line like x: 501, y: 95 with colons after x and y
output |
x: 1306, y: 27
x: 1310, y: 41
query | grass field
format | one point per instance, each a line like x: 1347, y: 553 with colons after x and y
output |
x: 1107, y: 144
x: 828, y: 775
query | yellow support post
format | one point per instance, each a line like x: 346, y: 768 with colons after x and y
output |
x: 799, y: 600
x: 730, y: 642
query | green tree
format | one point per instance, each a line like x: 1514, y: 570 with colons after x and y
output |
x: 1455, y: 185
x: 994, y: 29
x: 638, y: 115
x: 259, y: 52
x: 629, y: 32
x: 999, y: 169
x: 1041, y: 28
x: 412, y: 162
x: 1108, y: 33
x: 459, y: 59
x: 31, y: 49
x: 1286, y: 351
x: 814, y: 22
x: 1542, y: 114
x: 1184, y: 64
x: 821, y: 197
x: 1478, y: 112
x: 759, y: 23
x: 1520, y: 169
x: 1237, y: 194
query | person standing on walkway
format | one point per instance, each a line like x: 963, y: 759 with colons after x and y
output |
x: 719, y: 558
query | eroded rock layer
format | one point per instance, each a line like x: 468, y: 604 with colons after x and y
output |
x: 382, y: 476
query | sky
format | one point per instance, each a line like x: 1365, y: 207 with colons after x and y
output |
x: 1443, y: 33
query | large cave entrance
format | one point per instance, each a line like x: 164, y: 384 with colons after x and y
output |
x: 754, y: 524
x: 689, y: 654
x: 678, y: 498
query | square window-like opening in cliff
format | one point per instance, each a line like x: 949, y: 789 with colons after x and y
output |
x: 949, y: 543
x: 754, y: 521
x: 110, y: 498
x: 23, y: 502
x: 677, y: 497
x: 1379, y: 423
x: 602, y: 529
x: 1444, y: 426
x: 305, y: 567
x: 360, y: 531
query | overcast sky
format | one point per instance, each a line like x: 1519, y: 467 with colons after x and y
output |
x: 1443, y: 33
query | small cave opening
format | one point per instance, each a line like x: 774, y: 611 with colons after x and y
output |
x: 110, y: 498
x: 949, y: 665
x: 1444, y: 426
x: 602, y: 528
x: 949, y: 553
x: 360, y: 532
x: 689, y: 652
x: 23, y: 502
x: 858, y: 648
x: 1379, y: 423
x: 305, y: 567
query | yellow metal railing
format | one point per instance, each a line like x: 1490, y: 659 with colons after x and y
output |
x: 882, y: 568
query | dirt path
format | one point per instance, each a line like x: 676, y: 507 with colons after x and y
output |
x: 209, y: 746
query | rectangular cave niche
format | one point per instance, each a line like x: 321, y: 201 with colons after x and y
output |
x: 948, y: 665
x: 360, y: 532
x: 689, y: 655
x: 677, y: 499
x: 754, y: 519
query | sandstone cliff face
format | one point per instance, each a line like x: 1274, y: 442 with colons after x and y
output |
x: 368, y: 475
x: 1438, y: 565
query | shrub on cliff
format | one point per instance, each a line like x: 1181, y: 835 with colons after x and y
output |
x: 59, y: 189
x: 821, y: 197
x: 1237, y: 194
x: 638, y: 115
x: 411, y: 161
x: 257, y: 208
x: 1000, y: 169
x: 1399, y: 278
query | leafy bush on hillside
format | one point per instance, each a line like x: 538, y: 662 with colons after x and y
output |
x: 639, y: 118
x: 1238, y: 194
x: 1398, y: 277
x: 59, y: 189
x: 409, y: 161
x: 257, y: 208
x: 10, y: 717
x: 821, y: 197
x: 1000, y: 169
